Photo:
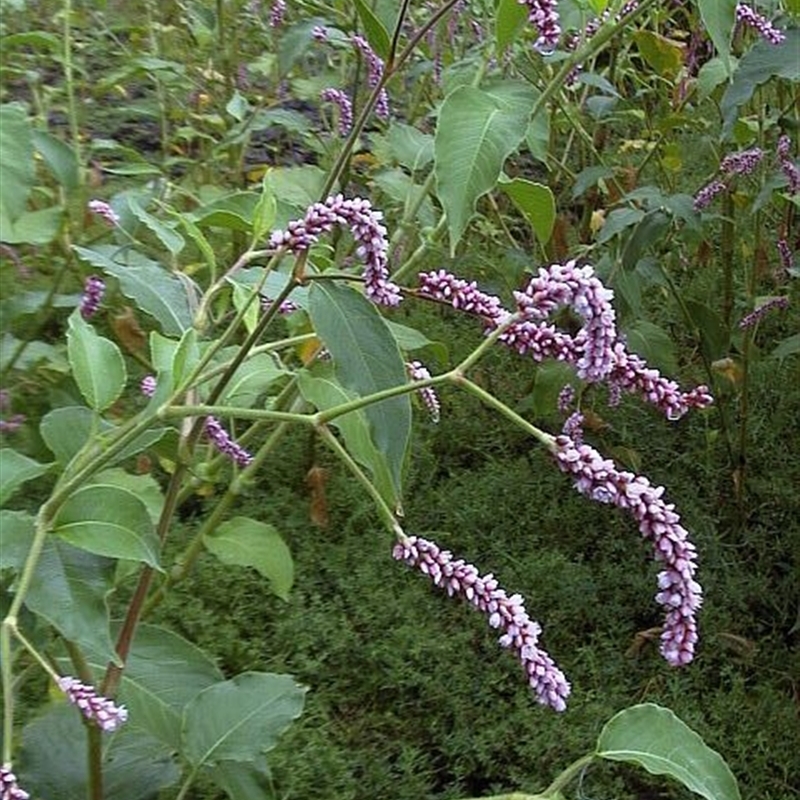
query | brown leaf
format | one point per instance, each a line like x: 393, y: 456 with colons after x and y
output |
x: 316, y: 478
x: 128, y: 332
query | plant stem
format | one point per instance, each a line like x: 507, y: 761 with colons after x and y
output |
x: 568, y: 775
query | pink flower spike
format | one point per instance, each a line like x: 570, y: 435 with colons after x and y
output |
x: 9, y: 788
x: 679, y: 594
x: 104, y: 210
x: 100, y: 710
x: 519, y: 632
x: 93, y: 291
x: 418, y: 372
x: 368, y: 231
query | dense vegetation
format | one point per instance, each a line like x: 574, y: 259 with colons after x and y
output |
x: 197, y: 479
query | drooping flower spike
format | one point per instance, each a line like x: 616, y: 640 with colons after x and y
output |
x: 505, y: 613
x: 596, y: 352
x: 364, y: 223
x: 752, y: 19
x: 418, y: 372
x: 223, y: 442
x: 679, y: 593
x: 104, y: 712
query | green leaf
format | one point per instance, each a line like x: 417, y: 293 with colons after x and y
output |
x: 366, y: 359
x: 97, y: 363
x: 653, y: 344
x: 240, y: 719
x: 410, y: 147
x: 511, y: 18
x: 719, y: 20
x: 763, y: 62
x: 655, y: 739
x: 252, y: 380
x: 248, y: 543
x: 177, y: 358
x: 162, y: 294
x: 787, y: 347
x: 165, y: 234
x: 145, y: 487
x: 324, y: 392
x: 714, y: 336
x: 536, y: 202
x: 664, y: 55
x: 234, y: 212
x: 54, y: 756
x: 537, y: 137
x: 69, y: 589
x: 66, y: 431
x: 475, y: 133
x: 265, y: 211
x: 162, y: 674
x: 648, y: 232
x: 242, y: 780
x: 17, y: 171
x: 16, y: 469
x: 550, y: 378
x: 60, y: 158
x: 376, y: 34
x: 109, y: 521
x: 32, y: 227
x: 16, y: 534
x: 31, y: 39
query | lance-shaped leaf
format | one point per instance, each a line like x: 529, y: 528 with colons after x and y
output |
x: 240, y: 719
x: 249, y: 543
x: 69, y: 589
x: 719, y: 19
x: 162, y: 294
x: 367, y: 360
x: 97, y: 364
x: 165, y: 234
x: 109, y: 521
x: 654, y: 738
x: 536, y: 202
x: 16, y: 469
x: 476, y: 131
x: 377, y: 35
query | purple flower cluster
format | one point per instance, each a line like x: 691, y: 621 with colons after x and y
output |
x: 277, y: 13
x: 544, y: 15
x: 566, y: 397
x: 418, y: 372
x: 785, y: 252
x: 707, y: 194
x: 578, y: 287
x: 12, y: 424
x: 788, y: 167
x: 286, y: 307
x: 596, y: 351
x: 148, y: 385
x: 757, y: 314
x: 104, y: 210
x: 375, y: 67
x: 9, y: 788
x: 680, y: 595
x: 345, y: 108
x: 752, y: 19
x: 742, y: 163
x: 507, y: 614
x: 368, y: 231
x: 93, y: 291
x: 222, y: 440
x: 320, y: 33
x: 573, y: 427
x: 101, y: 710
